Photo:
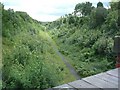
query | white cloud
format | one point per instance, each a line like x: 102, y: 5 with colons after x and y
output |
x: 44, y: 10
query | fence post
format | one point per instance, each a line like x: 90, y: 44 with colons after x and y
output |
x: 116, y: 49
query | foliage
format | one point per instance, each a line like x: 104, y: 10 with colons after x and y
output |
x: 99, y: 4
x: 98, y: 17
x: 88, y: 41
x: 29, y: 60
x: 84, y: 8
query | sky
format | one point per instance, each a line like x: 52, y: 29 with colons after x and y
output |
x: 46, y: 10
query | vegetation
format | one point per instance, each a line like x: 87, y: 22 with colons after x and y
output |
x: 87, y: 39
x: 84, y: 37
x: 29, y: 60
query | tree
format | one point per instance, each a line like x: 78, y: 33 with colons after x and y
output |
x: 84, y: 8
x: 98, y: 15
x: 99, y: 4
x: 101, y: 14
x: 114, y: 5
x: 112, y: 23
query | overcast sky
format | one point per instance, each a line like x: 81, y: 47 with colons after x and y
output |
x: 46, y: 10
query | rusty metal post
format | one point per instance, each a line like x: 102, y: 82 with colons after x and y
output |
x: 116, y: 49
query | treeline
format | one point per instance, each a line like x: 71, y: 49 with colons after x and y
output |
x: 86, y: 36
x: 93, y: 17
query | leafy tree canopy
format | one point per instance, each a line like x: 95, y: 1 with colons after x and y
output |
x: 84, y: 8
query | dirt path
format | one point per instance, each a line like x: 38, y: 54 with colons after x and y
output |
x: 68, y: 65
